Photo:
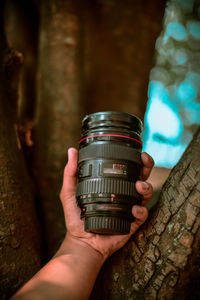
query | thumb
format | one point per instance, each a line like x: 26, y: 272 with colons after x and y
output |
x: 69, y: 178
x: 140, y: 213
x: 67, y: 195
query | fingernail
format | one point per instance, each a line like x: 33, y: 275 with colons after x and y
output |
x: 69, y: 151
x: 145, y: 185
x: 149, y: 157
x: 139, y: 210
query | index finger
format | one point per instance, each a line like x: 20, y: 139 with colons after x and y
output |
x: 148, y: 164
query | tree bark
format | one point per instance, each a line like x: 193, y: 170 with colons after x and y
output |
x: 162, y: 260
x: 19, y: 229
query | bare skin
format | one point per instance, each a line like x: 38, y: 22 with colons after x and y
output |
x: 72, y: 272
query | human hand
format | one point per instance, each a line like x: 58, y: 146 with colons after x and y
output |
x: 104, y: 244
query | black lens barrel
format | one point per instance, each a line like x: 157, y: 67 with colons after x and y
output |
x: 109, y: 165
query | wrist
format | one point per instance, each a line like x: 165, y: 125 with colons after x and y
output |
x: 75, y: 246
x: 70, y: 274
x: 75, y: 268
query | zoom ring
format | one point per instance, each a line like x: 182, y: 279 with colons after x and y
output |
x: 109, y: 151
x: 107, y: 185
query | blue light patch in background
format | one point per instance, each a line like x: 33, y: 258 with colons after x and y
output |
x: 164, y: 154
x: 162, y: 120
x: 194, y: 79
x: 165, y: 138
x: 193, y: 29
x: 163, y: 127
x: 173, y: 109
x: 192, y: 114
x: 180, y: 57
x: 176, y: 31
x: 187, y: 91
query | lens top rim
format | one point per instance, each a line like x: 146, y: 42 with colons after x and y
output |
x: 112, y: 116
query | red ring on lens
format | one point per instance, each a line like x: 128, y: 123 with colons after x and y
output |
x: 116, y: 135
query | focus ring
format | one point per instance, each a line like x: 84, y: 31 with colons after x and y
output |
x: 109, y: 151
x: 107, y: 185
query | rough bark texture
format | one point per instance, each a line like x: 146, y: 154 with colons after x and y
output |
x: 162, y: 260
x: 59, y: 110
x: 19, y: 229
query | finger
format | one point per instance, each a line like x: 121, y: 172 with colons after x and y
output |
x: 140, y: 213
x: 67, y: 195
x: 145, y: 189
x: 148, y: 164
x: 69, y: 178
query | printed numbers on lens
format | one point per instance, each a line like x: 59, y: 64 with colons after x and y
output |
x: 118, y: 166
x: 115, y: 169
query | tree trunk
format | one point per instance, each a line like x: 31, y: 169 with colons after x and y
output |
x: 118, y: 43
x: 19, y: 228
x: 162, y: 260
x: 59, y: 110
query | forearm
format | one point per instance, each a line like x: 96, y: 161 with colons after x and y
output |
x: 71, y: 274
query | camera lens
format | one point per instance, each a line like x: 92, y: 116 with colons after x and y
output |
x: 109, y: 164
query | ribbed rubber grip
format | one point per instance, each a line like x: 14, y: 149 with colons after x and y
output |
x: 109, y: 151
x: 107, y: 185
x: 107, y: 225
